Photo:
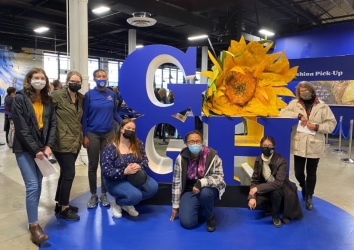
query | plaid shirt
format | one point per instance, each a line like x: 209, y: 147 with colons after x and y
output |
x: 214, y: 177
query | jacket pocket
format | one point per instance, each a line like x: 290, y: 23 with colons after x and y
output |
x: 61, y: 131
x: 316, y: 147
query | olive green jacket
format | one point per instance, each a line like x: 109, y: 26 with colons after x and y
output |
x: 69, y: 130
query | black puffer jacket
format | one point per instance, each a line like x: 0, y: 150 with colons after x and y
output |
x: 28, y: 137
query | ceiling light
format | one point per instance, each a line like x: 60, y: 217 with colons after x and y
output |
x: 41, y: 29
x: 141, y: 19
x: 266, y: 32
x: 139, y: 46
x: 100, y: 10
x: 191, y: 38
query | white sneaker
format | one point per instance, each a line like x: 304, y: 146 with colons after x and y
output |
x: 116, y: 210
x: 130, y: 210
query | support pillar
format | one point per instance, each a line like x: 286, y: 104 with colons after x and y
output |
x: 131, y: 40
x: 204, y: 64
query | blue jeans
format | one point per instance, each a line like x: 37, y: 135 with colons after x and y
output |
x: 32, y: 177
x: 190, y: 204
x: 128, y: 195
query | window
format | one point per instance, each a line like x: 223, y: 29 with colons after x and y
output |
x: 64, y: 62
x: 158, y: 78
x: 180, y: 76
x: 173, y: 76
x: 113, y: 72
x: 50, y: 65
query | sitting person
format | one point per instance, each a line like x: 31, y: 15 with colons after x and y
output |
x: 122, y: 163
x: 198, y: 181
x: 270, y: 188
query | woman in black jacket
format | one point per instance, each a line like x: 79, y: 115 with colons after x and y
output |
x: 34, y: 119
x: 271, y: 188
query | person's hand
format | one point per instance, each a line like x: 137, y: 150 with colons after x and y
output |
x: 252, y: 203
x: 47, y: 152
x: 253, y: 191
x: 195, y: 190
x: 173, y: 214
x: 132, y: 168
x: 40, y: 155
x: 311, y: 125
x: 303, y: 121
x: 86, y: 142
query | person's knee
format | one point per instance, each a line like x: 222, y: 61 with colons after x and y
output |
x: 134, y: 198
x: 188, y: 222
x: 277, y: 192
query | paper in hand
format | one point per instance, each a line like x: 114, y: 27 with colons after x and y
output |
x: 305, y: 129
x: 45, y: 166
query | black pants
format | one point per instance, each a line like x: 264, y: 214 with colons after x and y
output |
x: 309, y: 182
x: 7, y: 128
x: 271, y: 201
x: 67, y: 174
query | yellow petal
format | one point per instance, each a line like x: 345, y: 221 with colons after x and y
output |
x: 290, y: 74
x: 271, y: 79
x: 215, y: 62
x: 282, y: 91
x: 238, y: 69
x: 206, y: 110
x: 281, y: 104
x: 262, y: 95
x: 209, y: 74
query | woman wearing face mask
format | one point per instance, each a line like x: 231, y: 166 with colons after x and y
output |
x: 68, y: 107
x: 121, y: 162
x: 34, y: 119
x: 198, y: 182
x: 98, y: 118
x: 270, y: 188
x: 308, y: 148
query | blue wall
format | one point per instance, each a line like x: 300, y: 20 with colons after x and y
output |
x: 333, y: 40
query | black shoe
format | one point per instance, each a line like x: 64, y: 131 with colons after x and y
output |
x: 277, y: 222
x: 211, y: 224
x: 285, y: 220
x: 57, y: 208
x: 309, y: 205
x: 68, y: 214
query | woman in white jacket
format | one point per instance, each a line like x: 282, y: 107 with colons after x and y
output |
x: 308, y: 148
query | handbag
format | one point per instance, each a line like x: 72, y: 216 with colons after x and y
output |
x: 138, y: 179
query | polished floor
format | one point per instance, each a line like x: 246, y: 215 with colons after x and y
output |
x: 332, y: 221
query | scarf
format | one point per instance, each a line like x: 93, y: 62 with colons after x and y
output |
x: 196, y: 167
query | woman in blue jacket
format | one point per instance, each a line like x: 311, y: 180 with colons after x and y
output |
x: 98, y: 118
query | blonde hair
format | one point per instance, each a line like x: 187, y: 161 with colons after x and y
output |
x: 307, y: 85
x: 73, y: 73
x: 162, y: 92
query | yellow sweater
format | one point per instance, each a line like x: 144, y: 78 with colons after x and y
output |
x: 38, y: 110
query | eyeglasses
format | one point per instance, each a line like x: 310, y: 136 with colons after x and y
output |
x: 268, y: 146
x: 194, y: 142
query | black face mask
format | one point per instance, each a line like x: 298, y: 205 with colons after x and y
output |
x: 267, y: 151
x: 74, y: 87
x: 129, y: 134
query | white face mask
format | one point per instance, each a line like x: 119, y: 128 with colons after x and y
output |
x: 38, y: 84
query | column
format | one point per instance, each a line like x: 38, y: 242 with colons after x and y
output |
x: 131, y: 40
x: 204, y: 64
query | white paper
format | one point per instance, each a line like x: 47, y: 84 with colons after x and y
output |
x: 305, y: 129
x: 45, y: 166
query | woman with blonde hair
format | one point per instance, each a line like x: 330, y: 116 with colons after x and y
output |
x: 33, y: 116
x: 308, y: 147
x: 123, y: 164
x: 68, y: 107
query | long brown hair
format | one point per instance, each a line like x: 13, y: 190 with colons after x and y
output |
x: 31, y: 92
x: 134, y: 142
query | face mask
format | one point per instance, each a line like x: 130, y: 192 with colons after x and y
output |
x: 267, y: 151
x: 195, y: 148
x: 101, y: 83
x: 129, y: 134
x: 306, y: 96
x: 74, y: 87
x: 38, y: 84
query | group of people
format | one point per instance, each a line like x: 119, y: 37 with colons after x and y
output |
x: 66, y: 120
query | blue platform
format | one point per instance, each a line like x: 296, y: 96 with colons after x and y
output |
x: 326, y: 227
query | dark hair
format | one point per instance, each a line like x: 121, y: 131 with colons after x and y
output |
x: 30, y: 91
x: 269, y: 138
x: 98, y: 70
x: 192, y: 132
x: 10, y: 90
x: 134, y: 142
x: 56, y: 83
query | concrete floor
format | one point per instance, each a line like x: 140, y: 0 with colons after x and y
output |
x: 334, y: 184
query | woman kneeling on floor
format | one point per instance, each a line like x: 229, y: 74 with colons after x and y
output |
x: 198, y: 182
x: 271, y: 189
x: 123, y: 165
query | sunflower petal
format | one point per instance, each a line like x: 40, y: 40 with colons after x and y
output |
x: 281, y: 104
x: 215, y: 62
x: 209, y: 74
x: 283, y: 91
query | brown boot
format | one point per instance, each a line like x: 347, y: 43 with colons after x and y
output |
x: 37, y: 235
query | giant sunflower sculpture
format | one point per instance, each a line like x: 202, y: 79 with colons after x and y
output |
x: 245, y: 81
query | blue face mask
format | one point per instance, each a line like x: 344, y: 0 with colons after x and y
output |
x: 101, y: 83
x: 195, y: 148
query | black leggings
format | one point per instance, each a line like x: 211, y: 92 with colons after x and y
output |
x: 309, y: 182
x: 67, y: 174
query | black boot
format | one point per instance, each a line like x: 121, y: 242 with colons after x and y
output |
x: 309, y: 205
x: 211, y: 224
x: 68, y: 214
x: 304, y: 193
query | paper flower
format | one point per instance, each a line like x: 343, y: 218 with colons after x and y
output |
x: 245, y: 81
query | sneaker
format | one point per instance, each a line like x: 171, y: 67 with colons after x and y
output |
x: 277, y: 222
x: 104, y: 200
x: 130, y: 210
x: 57, y: 208
x: 211, y: 224
x: 68, y: 214
x: 116, y: 210
x: 93, y: 201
